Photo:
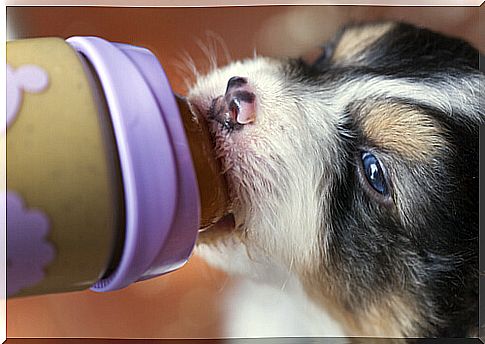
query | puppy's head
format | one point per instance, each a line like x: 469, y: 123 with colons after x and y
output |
x: 357, y: 173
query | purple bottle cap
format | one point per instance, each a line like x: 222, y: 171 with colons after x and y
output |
x: 162, y: 205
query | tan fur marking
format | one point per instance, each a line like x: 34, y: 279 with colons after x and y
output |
x: 402, y: 129
x: 356, y: 40
x: 393, y: 317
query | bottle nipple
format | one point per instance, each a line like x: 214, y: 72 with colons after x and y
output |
x: 212, y: 185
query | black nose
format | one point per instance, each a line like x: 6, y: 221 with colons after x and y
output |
x: 236, y: 81
x: 239, y: 102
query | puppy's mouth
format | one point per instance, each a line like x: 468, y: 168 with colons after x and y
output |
x: 233, y: 111
x: 225, y: 226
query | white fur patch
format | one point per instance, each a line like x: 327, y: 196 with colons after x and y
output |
x: 257, y: 310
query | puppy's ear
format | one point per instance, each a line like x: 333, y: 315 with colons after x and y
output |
x: 319, y: 57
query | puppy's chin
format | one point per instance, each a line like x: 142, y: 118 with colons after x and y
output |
x: 225, y: 247
x: 222, y: 246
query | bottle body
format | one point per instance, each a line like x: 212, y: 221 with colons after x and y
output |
x: 58, y: 139
x: 99, y: 170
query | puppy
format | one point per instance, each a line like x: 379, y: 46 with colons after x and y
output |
x: 356, y: 175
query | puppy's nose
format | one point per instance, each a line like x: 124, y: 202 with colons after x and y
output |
x: 241, y: 100
x: 236, y: 81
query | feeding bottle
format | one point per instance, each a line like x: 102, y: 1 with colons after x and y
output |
x: 109, y: 174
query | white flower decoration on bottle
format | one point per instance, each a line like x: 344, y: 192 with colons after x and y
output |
x: 28, y: 78
x: 28, y: 250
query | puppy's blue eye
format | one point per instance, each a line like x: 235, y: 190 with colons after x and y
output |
x: 373, y: 172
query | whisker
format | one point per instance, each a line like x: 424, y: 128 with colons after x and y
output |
x: 224, y: 284
x: 218, y: 39
x: 208, y: 54
x: 186, y: 68
x: 289, y: 273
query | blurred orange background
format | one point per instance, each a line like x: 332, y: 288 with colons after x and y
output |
x: 187, y: 303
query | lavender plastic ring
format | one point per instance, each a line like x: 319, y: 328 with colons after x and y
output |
x: 160, y: 187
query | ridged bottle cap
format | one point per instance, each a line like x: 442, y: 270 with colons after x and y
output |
x: 161, y: 196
